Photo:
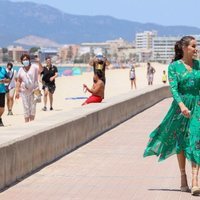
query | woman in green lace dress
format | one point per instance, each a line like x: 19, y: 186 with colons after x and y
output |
x: 179, y: 132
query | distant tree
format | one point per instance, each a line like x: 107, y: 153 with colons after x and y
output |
x: 4, y: 50
x: 78, y: 60
x: 86, y: 58
x: 115, y: 57
x: 33, y: 49
x: 5, y: 57
x: 106, y: 53
x: 92, y: 54
x: 69, y: 53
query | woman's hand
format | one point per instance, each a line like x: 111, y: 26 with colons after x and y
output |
x: 17, y: 95
x: 184, y: 110
x: 52, y: 78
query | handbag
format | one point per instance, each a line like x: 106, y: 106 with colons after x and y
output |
x: 37, y: 95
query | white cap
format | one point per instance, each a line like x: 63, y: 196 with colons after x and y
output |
x: 99, y: 56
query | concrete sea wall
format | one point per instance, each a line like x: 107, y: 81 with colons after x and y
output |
x: 31, y: 146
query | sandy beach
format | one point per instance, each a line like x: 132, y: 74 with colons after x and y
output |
x: 69, y: 91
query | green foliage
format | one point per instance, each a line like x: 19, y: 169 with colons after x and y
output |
x: 33, y: 49
x: 4, y: 50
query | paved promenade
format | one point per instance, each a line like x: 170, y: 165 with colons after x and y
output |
x: 111, y: 167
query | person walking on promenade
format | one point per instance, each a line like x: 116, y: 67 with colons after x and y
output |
x: 179, y: 132
x: 132, y: 76
x: 164, y: 77
x: 100, y: 63
x: 10, y: 87
x: 49, y: 74
x: 27, y: 83
x: 97, y: 89
x: 4, y: 78
x: 150, y: 73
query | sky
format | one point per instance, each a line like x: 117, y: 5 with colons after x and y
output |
x: 163, y: 12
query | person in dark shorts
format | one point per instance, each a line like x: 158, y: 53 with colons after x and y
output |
x: 132, y: 76
x: 49, y: 74
x: 4, y: 78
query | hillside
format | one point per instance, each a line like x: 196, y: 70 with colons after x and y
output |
x: 21, y: 19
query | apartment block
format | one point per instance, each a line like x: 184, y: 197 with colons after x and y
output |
x: 144, y: 40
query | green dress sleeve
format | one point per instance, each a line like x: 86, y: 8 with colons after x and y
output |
x: 173, y: 82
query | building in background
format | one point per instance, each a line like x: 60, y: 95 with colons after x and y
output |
x: 163, y: 49
x: 67, y: 53
x: 45, y: 52
x: 144, y: 40
x: 15, y: 53
x: 94, y: 48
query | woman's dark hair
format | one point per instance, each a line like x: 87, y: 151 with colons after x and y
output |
x: 178, y: 48
x: 48, y: 57
x: 10, y: 64
x: 25, y: 56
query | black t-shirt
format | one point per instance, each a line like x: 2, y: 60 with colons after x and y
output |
x: 48, y: 73
x: 100, y: 66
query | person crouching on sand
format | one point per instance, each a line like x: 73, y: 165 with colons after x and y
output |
x: 97, y: 89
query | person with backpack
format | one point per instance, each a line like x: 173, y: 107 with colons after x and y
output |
x: 10, y: 87
x: 4, y: 78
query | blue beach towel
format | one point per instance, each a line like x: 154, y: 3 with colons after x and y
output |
x: 75, y: 98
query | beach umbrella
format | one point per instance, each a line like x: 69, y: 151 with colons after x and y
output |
x: 76, y: 71
x: 67, y: 72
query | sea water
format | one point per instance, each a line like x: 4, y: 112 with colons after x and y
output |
x: 68, y: 71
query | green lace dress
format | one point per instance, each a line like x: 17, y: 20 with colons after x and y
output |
x: 176, y: 132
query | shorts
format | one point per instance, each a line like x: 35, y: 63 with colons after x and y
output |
x: 132, y: 79
x: 93, y: 99
x: 2, y: 100
x: 50, y: 87
x: 11, y: 92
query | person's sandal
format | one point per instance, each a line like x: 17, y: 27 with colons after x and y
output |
x: 184, y: 186
x: 185, y: 189
x: 195, y: 191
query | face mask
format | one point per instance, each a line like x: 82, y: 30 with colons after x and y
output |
x: 26, y: 63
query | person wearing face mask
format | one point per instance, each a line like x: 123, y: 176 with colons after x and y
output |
x: 10, y: 87
x: 97, y: 89
x: 27, y: 83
